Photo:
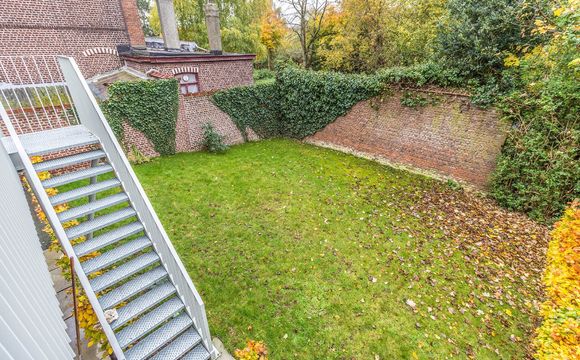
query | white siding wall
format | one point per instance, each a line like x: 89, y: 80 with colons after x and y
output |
x: 31, y: 323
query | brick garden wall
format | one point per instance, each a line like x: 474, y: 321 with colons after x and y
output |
x: 452, y: 138
x: 48, y: 27
x: 197, y: 109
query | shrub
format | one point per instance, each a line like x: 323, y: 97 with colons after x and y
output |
x: 254, y: 350
x: 256, y: 107
x: 212, y: 141
x: 559, y: 335
x: 264, y: 74
x: 149, y: 106
x: 539, y: 167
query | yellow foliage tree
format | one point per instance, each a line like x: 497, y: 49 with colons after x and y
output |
x: 272, y: 30
x: 559, y: 336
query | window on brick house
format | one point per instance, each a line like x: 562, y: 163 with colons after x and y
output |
x: 188, y: 83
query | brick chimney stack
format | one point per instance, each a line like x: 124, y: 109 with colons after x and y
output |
x: 133, y: 22
x: 212, y: 21
x: 168, y: 24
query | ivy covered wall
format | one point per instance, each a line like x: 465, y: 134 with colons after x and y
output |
x: 150, y: 106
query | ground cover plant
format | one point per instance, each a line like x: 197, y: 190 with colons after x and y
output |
x: 323, y: 255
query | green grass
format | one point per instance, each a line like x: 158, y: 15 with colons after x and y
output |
x: 309, y: 250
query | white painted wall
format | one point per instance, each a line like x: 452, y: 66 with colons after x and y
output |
x: 31, y: 322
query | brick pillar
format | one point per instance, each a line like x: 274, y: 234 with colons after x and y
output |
x: 212, y: 21
x: 133, y: 22
x: 168, y: 24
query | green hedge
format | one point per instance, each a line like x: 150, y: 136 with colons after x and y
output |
x: 150, y: 106
x: 297, y: 104
x: 311, y: 100
x: 256, y: 107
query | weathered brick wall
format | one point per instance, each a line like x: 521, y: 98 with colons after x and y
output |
x: 48, y: 27
x: 199, y: 110
x: 212, y: 75
x: 451, y: 138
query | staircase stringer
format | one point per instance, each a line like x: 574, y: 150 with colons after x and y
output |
x: 91, y: 116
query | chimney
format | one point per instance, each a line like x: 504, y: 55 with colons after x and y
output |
x: 133, y: 23
x: 168, y: 24
x: 212, y: 21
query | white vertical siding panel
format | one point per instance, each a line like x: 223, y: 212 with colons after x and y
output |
x: 31, y: 323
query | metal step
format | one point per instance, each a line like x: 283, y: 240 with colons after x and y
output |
x: 99, y: 222
x: 76, y: 176
x: 107, y: 238
x: 84, y: 191
x: 49, y: 141
x: 69, y: 160
x: 199, y: 353
x: 133, y: 287
x: 149, y: 322
x: 92, y: 207
x: 143, y: 303
x: 115, y: 255
x: 153, y: 342
x: 178, y: 347
x: 122, y: 272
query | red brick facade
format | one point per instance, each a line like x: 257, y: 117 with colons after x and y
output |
x: 48, y: 27
x: 451, y: 138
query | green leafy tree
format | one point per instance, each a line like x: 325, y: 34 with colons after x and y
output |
x: 476, y: 35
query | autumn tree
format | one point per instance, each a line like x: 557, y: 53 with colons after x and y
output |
x: 367, y: 35
x: 272, y: 29
x: 305, y: 18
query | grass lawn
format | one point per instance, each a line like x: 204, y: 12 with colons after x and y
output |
x: 323, y: 255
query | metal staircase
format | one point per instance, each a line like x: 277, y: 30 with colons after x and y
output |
x: 124, y: 259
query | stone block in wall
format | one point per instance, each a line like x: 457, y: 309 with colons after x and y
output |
x: 452, y: 138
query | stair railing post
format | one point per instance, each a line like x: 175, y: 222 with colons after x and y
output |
x: 93, y: 197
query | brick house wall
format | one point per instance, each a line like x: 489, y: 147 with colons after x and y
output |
x: 452, y: 138
x: 72, y: 27
x: 33, y: 119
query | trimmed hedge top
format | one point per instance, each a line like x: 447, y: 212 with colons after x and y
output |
x: 150, y: 106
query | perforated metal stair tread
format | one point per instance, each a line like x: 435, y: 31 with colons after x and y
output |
x: 150, y: 322
x: 92, y: 207
x: 76, y: 176
x: 124, y: 271
x: 198, y: 353
x: 178, y: 347
x: 133, y: 287
x: 100, y: 222
x: 107, y: 238
x: 69, y: 160
x: 143, y: 303
x: 160, y: 337
x: 43, y: 142
x: 115, y: 255
x: 84, y: 191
